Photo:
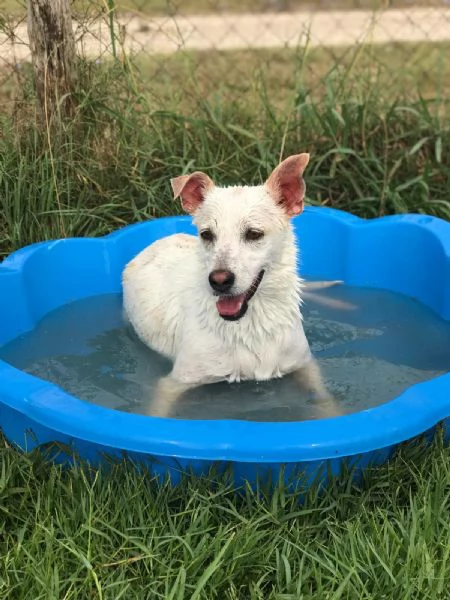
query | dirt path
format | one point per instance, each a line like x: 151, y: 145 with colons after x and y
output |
x: 166, y: 35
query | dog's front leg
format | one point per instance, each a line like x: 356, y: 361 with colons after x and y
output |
x: 309, y: 377
x: 189, y: 371
x: 171, y: 388
x: 167, y: 392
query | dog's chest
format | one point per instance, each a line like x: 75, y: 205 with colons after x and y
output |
x: 262, y: 364
x: 268, y: 357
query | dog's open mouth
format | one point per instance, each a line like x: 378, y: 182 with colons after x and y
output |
x: 232, y: 308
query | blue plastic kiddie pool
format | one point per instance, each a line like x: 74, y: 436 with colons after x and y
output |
x: 409, y: 254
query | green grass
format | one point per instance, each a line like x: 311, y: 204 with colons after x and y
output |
x: 378, y: 146
x: 80, y: 534
x: 389, y: 72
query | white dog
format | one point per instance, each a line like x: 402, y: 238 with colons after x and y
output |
x: 226, y: 305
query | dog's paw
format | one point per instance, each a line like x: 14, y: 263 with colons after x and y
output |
x: 311, y: 291
x: 328, y: 407
x: 320, y: 285
x: 165, y: 395
x: 330, y: 302
x: 310, y: 380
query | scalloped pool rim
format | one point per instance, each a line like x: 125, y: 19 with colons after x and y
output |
x: 418, y: 409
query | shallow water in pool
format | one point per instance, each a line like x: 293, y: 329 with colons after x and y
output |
x: 369, y: 355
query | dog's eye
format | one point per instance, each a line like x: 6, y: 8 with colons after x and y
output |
x: 207, y: 235
x: 252, y: 235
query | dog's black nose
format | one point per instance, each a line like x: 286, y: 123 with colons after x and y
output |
x: 221, y: 281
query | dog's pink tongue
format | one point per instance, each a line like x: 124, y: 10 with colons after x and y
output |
x: 228, y: 306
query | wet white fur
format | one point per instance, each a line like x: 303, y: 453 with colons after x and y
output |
x: 168, y: 300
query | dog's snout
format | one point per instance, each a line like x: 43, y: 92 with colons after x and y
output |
x: 221, y: 280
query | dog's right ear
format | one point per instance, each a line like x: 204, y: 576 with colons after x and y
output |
x: 192, y: 189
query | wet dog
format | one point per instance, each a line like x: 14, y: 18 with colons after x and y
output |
x: 226, y: 304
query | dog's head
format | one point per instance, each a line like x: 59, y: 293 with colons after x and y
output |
x: 241, y: 228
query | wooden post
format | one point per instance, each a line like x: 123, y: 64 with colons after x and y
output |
x: 52, y: 44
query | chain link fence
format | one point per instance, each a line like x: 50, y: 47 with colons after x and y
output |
x: 209, y: 45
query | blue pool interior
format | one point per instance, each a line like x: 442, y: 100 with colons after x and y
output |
x: 371, y: 351
x: 408, y: 254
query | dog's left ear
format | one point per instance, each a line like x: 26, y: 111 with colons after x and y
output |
x: 286, y: 185
x: 192, y: 189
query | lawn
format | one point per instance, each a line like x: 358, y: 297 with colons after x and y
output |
x: 380, y: 144
x: 79, y: 534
